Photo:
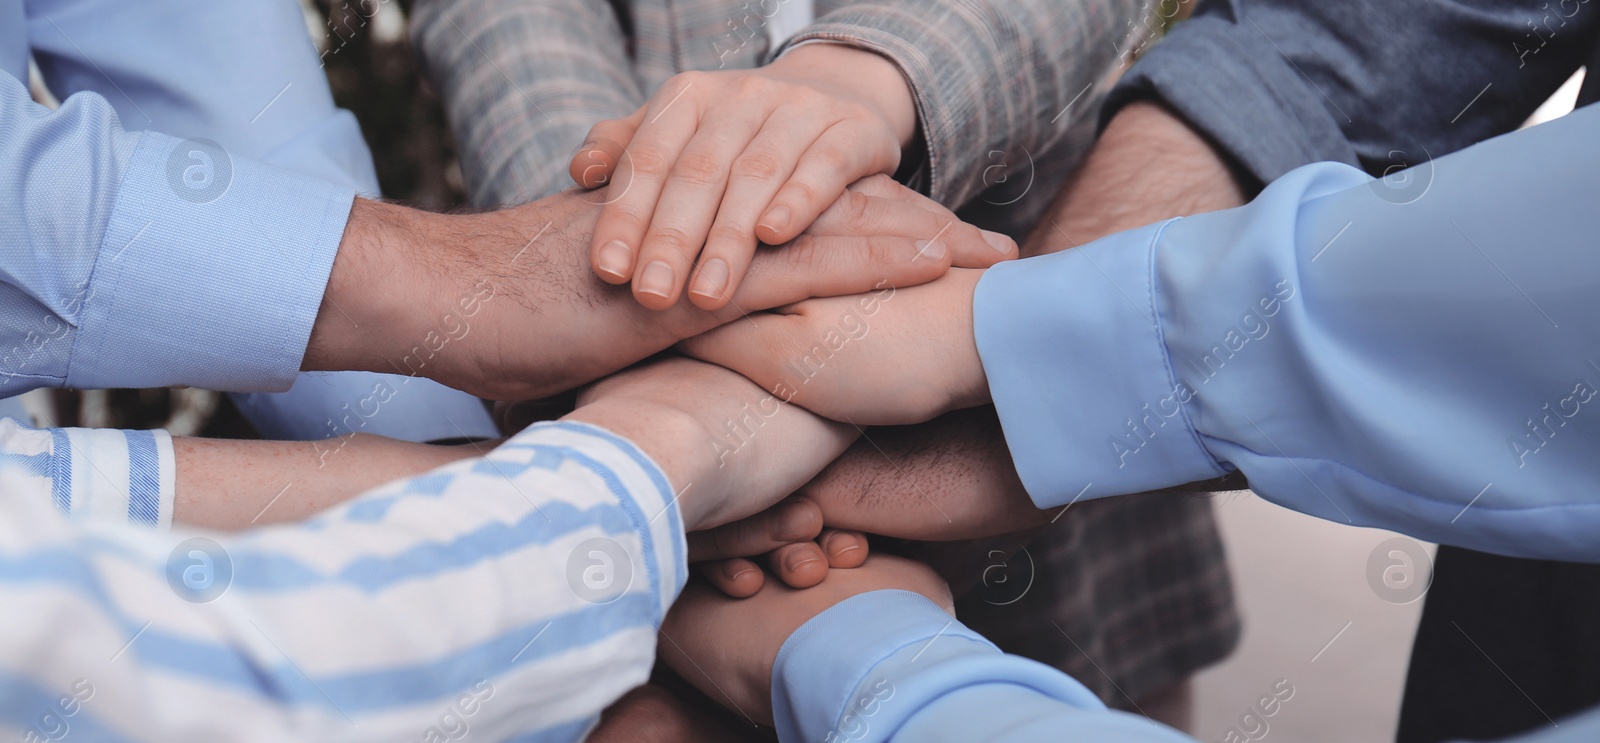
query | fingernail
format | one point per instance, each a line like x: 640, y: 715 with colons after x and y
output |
x: 740, y: 574
x: 932, y: 249
x: 829, y: 541
x: 799, y: 559
x: 999, y: 242
x: 713, y: 279
x: 615, y: 258
x: 777, y: 219
x: 656, y: 279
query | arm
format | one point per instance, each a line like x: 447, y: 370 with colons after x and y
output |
x: 241, y: 76
x: 893, y: 666
x: 1376, y: 84
x: 1321, y: 341
x: 1324, y: 302
x: 517, y: 593
x: 964, y: 62
x: 521, y: 83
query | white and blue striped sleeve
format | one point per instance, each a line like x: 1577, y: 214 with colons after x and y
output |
x: 513, y: 596
x: 91, y: 474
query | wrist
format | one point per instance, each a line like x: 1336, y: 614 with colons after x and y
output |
x: 866, y: 77
x: 371, y: 304
x: 675, y: 440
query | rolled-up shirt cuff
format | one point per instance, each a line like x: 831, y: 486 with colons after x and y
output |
x: 210, y: 273
x: 1231, y: 84
x: 102, y: 475
x: 1080, y: 375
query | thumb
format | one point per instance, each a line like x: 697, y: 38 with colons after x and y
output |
x: 595, y: 161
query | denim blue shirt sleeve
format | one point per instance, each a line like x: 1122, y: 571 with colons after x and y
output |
x: 1276, y: 84
x: 1424, y: 359
x: 892, y: 667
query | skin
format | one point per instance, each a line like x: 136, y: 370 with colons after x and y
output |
x: 1148, y: 165
x: 733, y: 643
x: 230, y: 485
x: 718, y: 162
x: 502, y: 305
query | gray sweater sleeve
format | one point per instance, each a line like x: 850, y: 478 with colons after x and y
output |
x: 1276, y: 84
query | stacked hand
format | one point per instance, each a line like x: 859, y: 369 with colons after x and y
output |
x: 719, y: 162
x: 504, y: 305
x: 726, y: 647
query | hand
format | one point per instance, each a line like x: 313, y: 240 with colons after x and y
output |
x: 950, y: 478
x: 503, y: 305
x: 726, y: 647
x: 722, y: 159
x: 886, y: 358
x: 791, y: 541
x: 685, y: 414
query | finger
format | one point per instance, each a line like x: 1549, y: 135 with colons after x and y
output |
x: 844, y: 548
x: 846, y: 152
x: 828, y: 266
x: 693, y: 191
x: 799, y: 565
x: 735, y: 576
x: 667, y: 126
x: 878, y: 206
x: 794, y: 520
x: 595, y: 161
x: 754, y: 179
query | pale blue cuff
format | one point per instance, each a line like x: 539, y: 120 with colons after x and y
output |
x: 210, y: 274
x: 1072, y: 346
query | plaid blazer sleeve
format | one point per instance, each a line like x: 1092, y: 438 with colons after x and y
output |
x: 521, y: 84
x: 990, y: 76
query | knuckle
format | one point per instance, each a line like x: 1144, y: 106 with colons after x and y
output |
x: 757, y: 166
x: 750, y: 85
x: 698, y: 169
x: 723, y: 233
x: 798, y: 190
x: 832, y: 157
x: 673, y: 239
x: 649, y: 160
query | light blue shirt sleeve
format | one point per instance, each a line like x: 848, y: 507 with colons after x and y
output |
x: 142, y: 260
x: 245, y: 77
x: 892, y: 667
x: 1419, y: 353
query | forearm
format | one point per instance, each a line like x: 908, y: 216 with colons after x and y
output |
x: 1321, y: 340
x: 1281, y: 84
x: 1149, y: 165
x: 232, y: 484
x: 449, y: 593
x: 989, y: 78
x: 521, y: 83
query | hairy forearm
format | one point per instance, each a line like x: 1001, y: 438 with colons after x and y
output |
x: 1148, y: 166
x: 228, y: 484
